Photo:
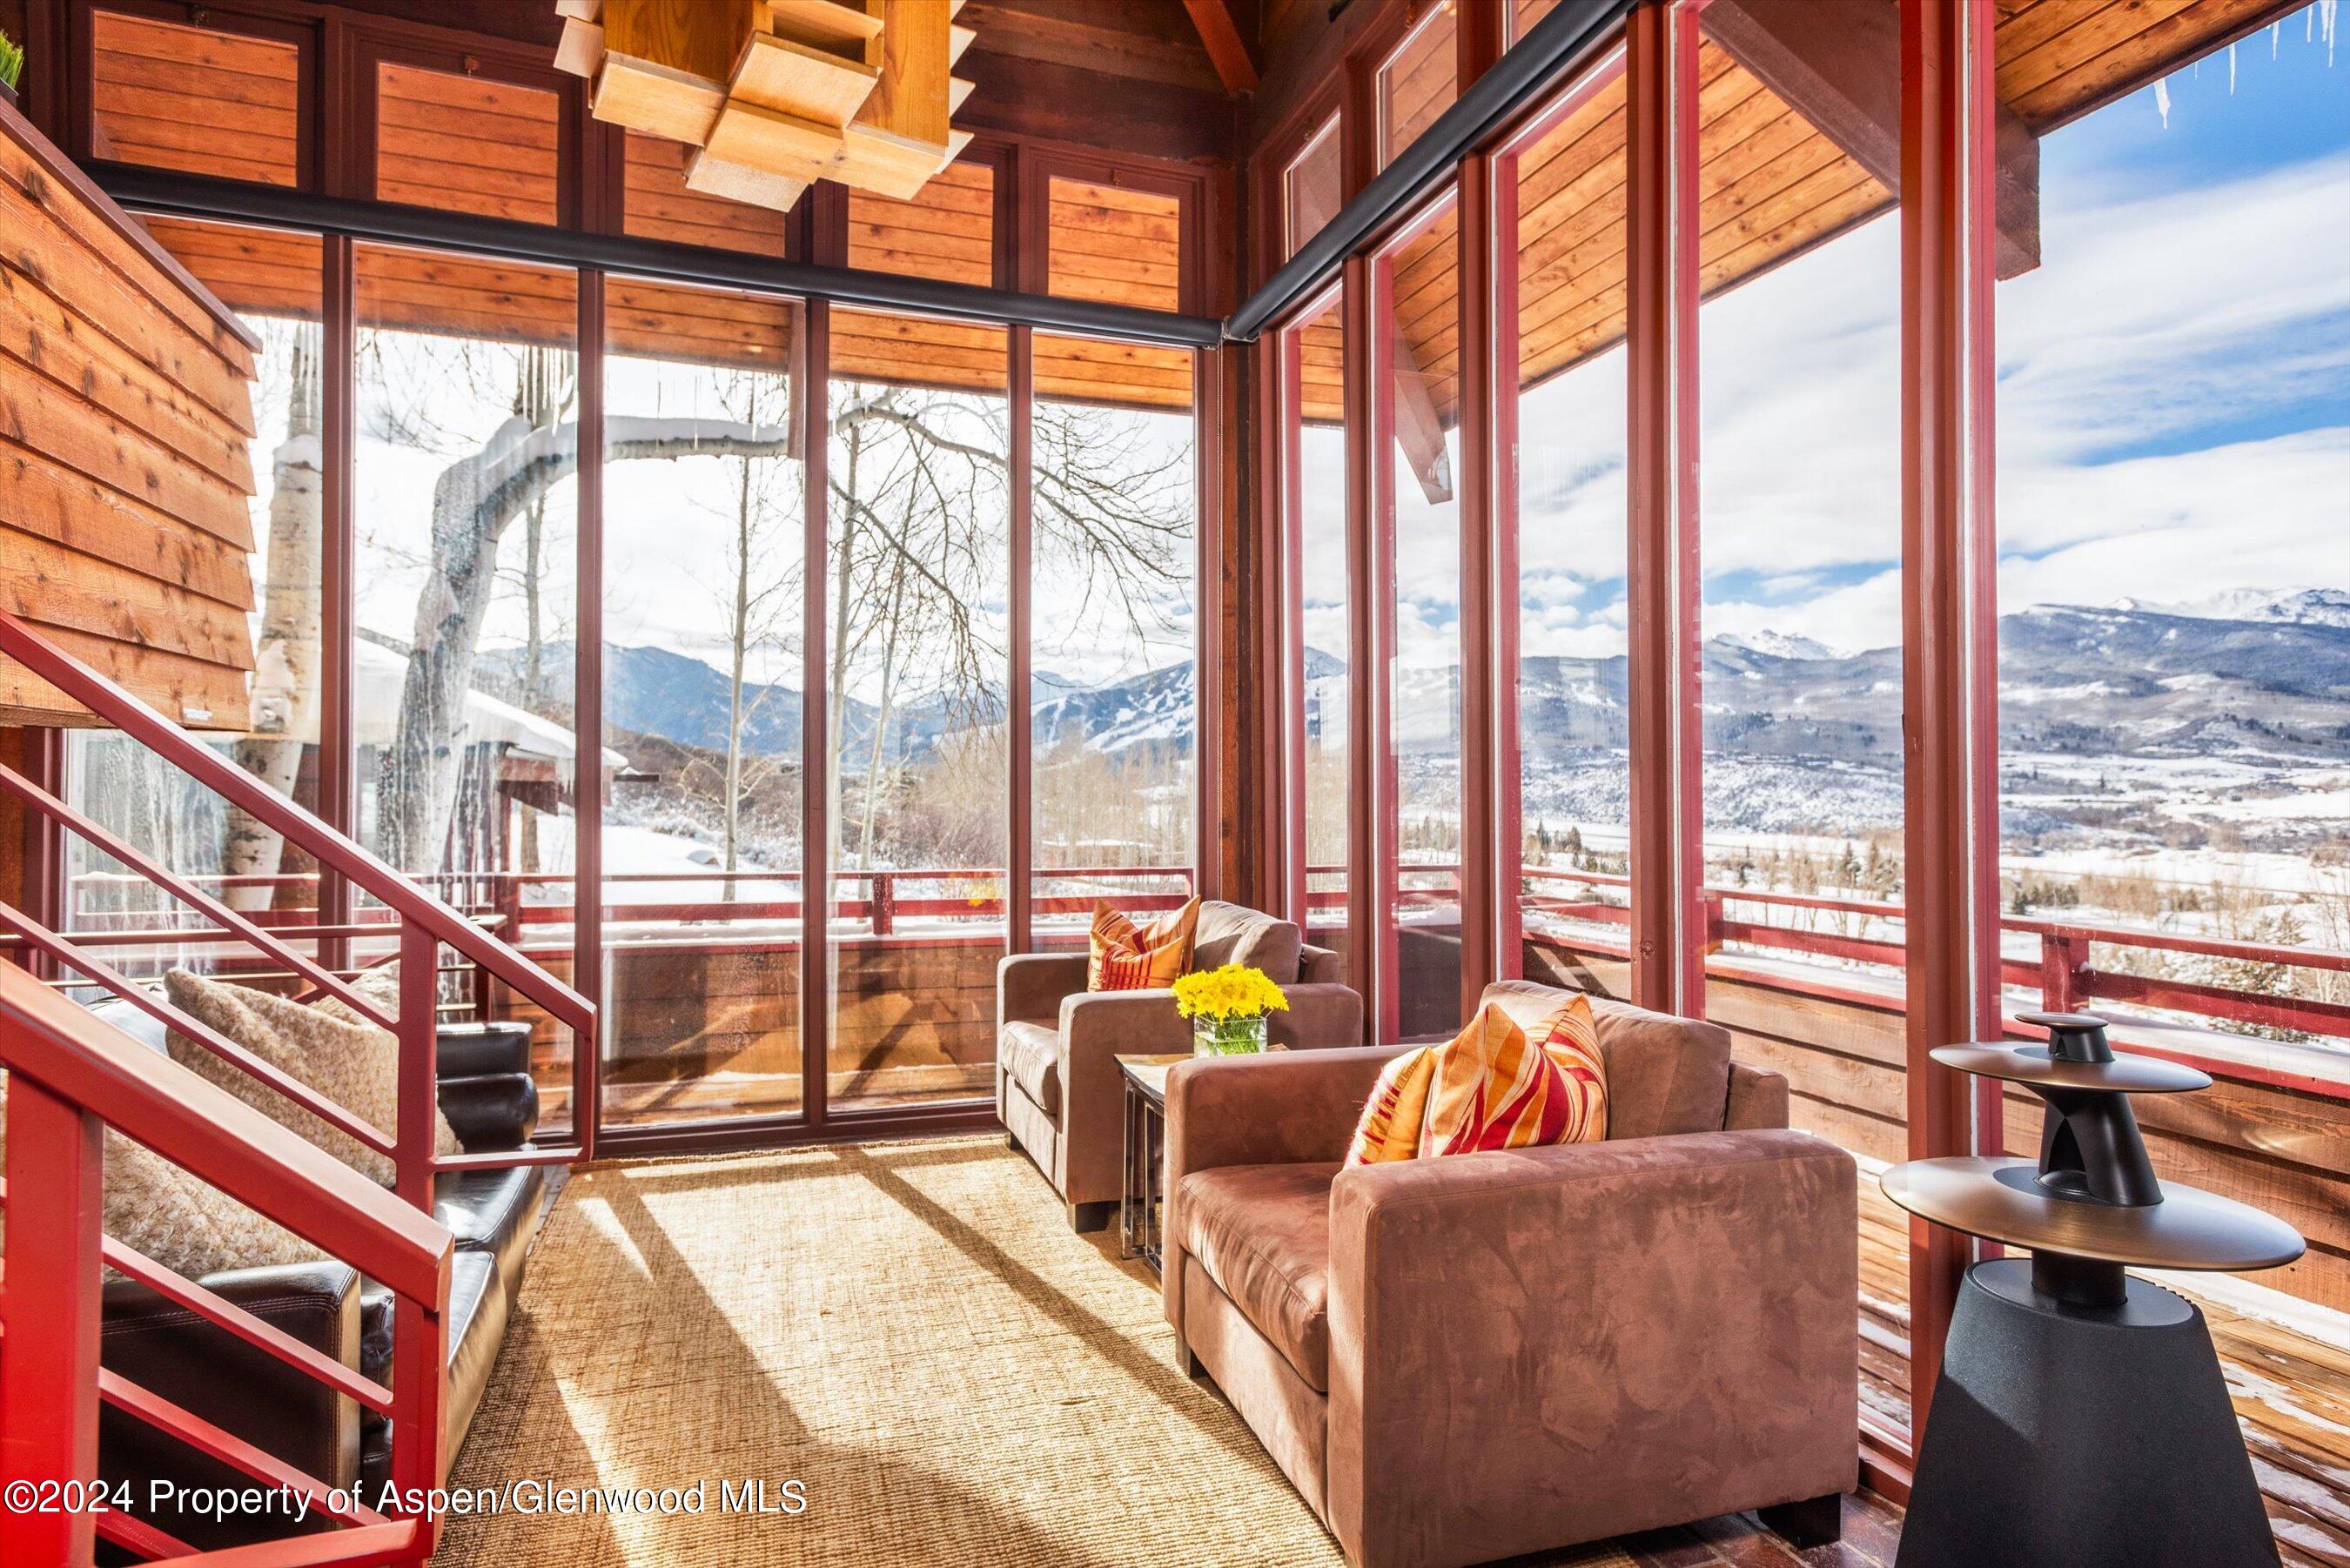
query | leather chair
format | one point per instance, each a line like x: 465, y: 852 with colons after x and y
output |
x: 1056, y: 1079
x: 1466, y: 1358
x: 492, y: 1104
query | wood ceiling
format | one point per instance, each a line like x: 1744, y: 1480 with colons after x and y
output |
x: 1772, y: 181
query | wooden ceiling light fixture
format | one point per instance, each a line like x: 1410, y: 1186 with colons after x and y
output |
x: 774, y: 95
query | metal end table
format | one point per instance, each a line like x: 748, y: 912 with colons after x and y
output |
x: 1145, y: 1080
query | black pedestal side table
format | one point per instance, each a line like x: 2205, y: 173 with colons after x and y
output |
x: 2081, y: 1420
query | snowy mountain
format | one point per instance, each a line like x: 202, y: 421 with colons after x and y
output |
x: 1776, y: 644
x: 2098, y: 703
x: 2302, y: 607
x: 654, y: 691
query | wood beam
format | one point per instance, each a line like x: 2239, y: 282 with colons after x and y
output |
x: 1838, y: 64
x: 1419, y: 432
x: 1227, y: 46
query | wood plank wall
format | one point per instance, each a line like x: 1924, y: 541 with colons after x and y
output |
x: 125, y: 420
x: 657, y: 205
x: 146, y: 73
x: 947, y: 233
x: 1113, y: 244
x: 466, y: 144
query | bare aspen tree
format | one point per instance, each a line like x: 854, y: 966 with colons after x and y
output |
x: 287, y: 648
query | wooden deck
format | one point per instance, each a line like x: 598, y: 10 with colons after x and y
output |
x: 1872, y: 1530
x: 2291, y: 1392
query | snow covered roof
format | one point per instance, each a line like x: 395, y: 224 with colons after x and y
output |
x: 379, y: 676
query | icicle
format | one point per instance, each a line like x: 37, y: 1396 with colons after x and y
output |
x: 2162, y: 100
x: 2231, y: 70
x: 2329, y: 16
x: 2276, y: 30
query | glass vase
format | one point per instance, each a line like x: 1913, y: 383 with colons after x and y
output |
x: 1229, y: 1037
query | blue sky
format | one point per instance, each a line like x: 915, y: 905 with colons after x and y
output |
x: 2174, y: 390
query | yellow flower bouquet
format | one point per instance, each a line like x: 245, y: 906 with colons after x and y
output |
x: 1227, y: 1008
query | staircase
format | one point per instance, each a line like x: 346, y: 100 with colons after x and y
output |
x: 71, y: 1075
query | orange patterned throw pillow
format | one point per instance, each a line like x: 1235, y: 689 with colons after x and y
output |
x: 1570, y: 1038
x: 1490, y: 1086
x: 1399, y: 1104
x: 1126, y: 957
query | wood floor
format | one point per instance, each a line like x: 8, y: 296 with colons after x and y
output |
x: 1872, y: 1530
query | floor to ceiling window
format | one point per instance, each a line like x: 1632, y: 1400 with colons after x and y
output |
x: 1317, y: 552
x: 1800, y: 599
x: 1418, y: 81
x: 1416, y: 548
x: 1310, y: 188
x: 1564, y: 810
x: 1113, y: 557
x: 2174, y: 596
x: 465, y: 499
x: 704, y: 497
x: 916, y: 653
x: 273, y: 281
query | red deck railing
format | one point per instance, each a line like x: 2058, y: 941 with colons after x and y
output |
x: 70, y: 1073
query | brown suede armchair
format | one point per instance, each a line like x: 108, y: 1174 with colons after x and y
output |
x: 1056, y: 1080
x: 1462, y: 1359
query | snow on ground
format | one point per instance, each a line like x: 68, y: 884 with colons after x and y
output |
x: 648, y: 852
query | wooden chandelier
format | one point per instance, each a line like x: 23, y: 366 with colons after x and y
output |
x: 774, y: 95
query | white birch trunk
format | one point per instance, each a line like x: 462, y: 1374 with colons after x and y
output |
x: 287, y: 650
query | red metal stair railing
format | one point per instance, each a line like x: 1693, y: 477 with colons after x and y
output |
x: 71, y: 1074
x: 70, y: 1077
x: 425, y: 923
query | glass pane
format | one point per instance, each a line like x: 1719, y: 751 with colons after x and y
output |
x: 1320, y: 611
x: 657, y: 205
x: 273, y: 281
x: 947, y: 233
x: 1116, y: 246
x: 1522, y: 14
x: 1114, y: 685
x: 1417, y: 82
x: 1800, y: 430
x: 193, y: 99
x: 467, y: 144
x: 1564, y: 500
x: 1310, y: 189
x: 916, y: 577
x: 1416, y: 393
x: 2174, y: 582
x: 464, y: 501
x: 704, y: 497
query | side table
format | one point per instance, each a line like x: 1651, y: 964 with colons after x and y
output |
x: 1145, y: 1081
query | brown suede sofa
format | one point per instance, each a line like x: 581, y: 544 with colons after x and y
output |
x: 1462, y: 1359
x: 1056, y: 1080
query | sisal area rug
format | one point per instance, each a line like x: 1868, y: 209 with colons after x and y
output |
x: 908, y: 1331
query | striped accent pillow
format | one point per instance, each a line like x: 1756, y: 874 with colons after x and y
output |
x: 1389, y: 1128
x: 1126, y: 957
x: 1570, y: 1038
x: 1494, y: 1089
